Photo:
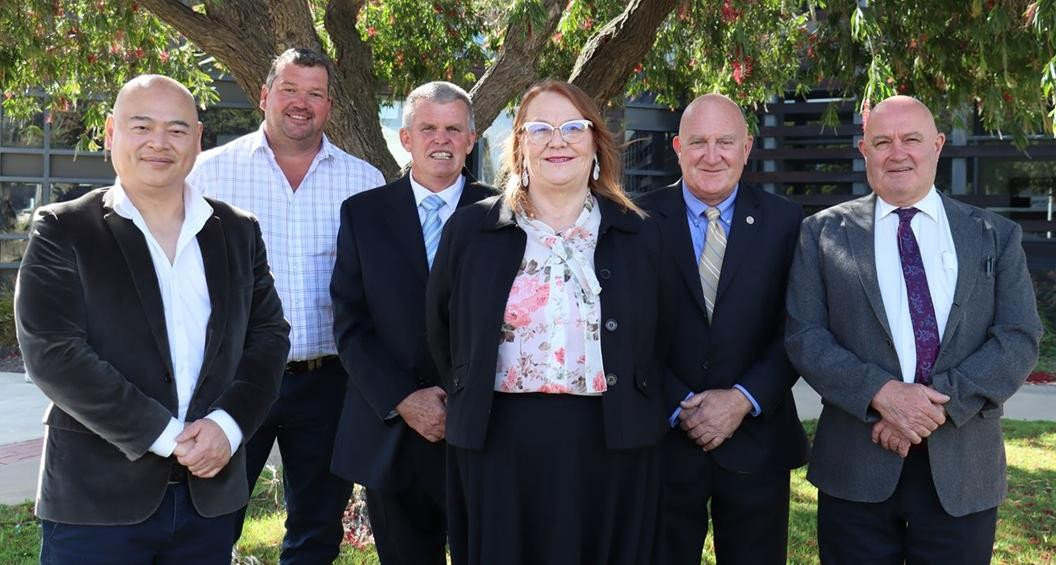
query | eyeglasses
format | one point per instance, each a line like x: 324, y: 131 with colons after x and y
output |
x: 540, y: 133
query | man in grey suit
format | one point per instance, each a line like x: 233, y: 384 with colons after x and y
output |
x: 914, y: 317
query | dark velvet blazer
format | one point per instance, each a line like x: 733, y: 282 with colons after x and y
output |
x: 91, y: 326
x: 744, y: 342
x: 480, y: 253
x: 378, y: 292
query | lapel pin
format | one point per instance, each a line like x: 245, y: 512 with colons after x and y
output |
x: 750, y: 220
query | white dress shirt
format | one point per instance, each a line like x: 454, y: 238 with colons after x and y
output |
x: 299, y: 227
x: 185, y: 299
x: 450, y: 195
x: 932, y: 231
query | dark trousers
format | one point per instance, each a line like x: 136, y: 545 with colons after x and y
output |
x: 410, y: 527
x: 748, y: 511
x: 304, y: 421
x: 175, y: 534
x: 910, y: 527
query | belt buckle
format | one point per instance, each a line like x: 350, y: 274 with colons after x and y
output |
x: 313, y: 364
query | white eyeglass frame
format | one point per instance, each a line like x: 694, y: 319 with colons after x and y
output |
x: 553, y: 128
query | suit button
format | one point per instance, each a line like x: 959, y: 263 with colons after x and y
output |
x: 611, y: 325
x: 610, y: 379
x: 704, y: 365
x: 605, y: 274
x: 167, y: 378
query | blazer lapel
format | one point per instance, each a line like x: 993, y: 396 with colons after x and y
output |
x: 677, y: 225
x: 739, y: 242
x: 966, y: 231
x: 860, y: 238
x: 405, y: 227
x: 141, y: 267
x: 213, y: 245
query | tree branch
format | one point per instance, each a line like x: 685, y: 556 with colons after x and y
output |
x: 514, y: 67
x: 352, y: 127
x: 235, y: 32
x: 609, y: 57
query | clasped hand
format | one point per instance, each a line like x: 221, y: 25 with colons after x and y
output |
x: 909, y: 413
x: 203, y: 448
x: 425, y: 411
x: 710, y: 417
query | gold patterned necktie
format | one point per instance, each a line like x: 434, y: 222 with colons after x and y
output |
x: 710, y: 264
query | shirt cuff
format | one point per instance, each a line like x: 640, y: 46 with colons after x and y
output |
x: 756, y: 410
x: 229, y: 426
x: 673, y: 420
x: 166, y: 442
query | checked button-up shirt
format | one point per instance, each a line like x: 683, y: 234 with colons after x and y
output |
x: 299, y: 227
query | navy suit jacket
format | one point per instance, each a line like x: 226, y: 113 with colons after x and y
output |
x: 744, y: 343
x: 378, y: 292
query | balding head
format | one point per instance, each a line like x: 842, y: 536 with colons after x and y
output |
x: 145, y: 85
x: 154, y: 136
x: 713, y: 102
x: 712, y: 147
x: 901, y: 146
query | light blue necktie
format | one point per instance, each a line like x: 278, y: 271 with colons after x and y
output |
x: 431, y: 225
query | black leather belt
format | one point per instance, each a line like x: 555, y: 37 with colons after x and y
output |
x: 311, y: 364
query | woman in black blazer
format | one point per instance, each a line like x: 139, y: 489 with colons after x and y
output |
x: 542, y: 308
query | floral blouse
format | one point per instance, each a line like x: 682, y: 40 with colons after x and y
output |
x: 550, y: 340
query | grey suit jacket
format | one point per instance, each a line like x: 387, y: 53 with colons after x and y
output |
x: 838, y: 338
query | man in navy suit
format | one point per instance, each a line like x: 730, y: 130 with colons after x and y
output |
x: 735, y: 432
x: 390, y: 437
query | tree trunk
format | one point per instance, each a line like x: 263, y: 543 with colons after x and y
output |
x: 514, y: 67
x: 245, y: 35
x: 609, y: 57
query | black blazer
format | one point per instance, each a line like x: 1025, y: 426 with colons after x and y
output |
x: 378, y: 292
x: 91, y: 326
x: 747, y: 345
x: 479, y: 255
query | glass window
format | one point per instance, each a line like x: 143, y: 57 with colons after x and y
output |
x: 64, y: 191
x: 22, y: 133
x: 66, y: 129
x: 220, y: 125
x: 17, y: 202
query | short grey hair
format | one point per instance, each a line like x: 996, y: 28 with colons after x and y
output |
x: 440, y: 92
x: 302, y: 57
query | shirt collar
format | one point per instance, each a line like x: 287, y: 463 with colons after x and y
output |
x: 196, y: 210
x: 696, y: 207
x: 929, y: 205
x: 449, y: 194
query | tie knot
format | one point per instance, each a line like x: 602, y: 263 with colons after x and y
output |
x: 906, y: 214
x: 432, y: 203
x: 712, y: 214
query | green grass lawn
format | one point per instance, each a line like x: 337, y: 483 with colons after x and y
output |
x: 1026, y: 529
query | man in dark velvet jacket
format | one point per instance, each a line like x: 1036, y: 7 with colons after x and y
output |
x: 147, y: 314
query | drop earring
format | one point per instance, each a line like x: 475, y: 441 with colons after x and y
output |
x: 597, y: 167
x: 524, y: 177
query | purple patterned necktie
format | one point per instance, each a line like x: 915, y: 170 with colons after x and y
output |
x: 921, y: 309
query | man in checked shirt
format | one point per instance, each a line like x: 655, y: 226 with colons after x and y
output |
x: 293, y: 179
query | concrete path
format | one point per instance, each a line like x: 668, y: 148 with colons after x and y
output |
x: 22, y: 407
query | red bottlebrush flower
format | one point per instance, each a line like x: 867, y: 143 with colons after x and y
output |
x: 92, y: 58
x: 164, y: 56
x: 371, y: 31
x: 558, y: 37
x: 738, y: 72
x: 135, y: 6
x: 912, y: 43
x: 638, y: 68
x: 867, y: 107
x: 588, y: 24
x: 729, y: 13
x: 1006, y: 97
x: 139, y: 53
